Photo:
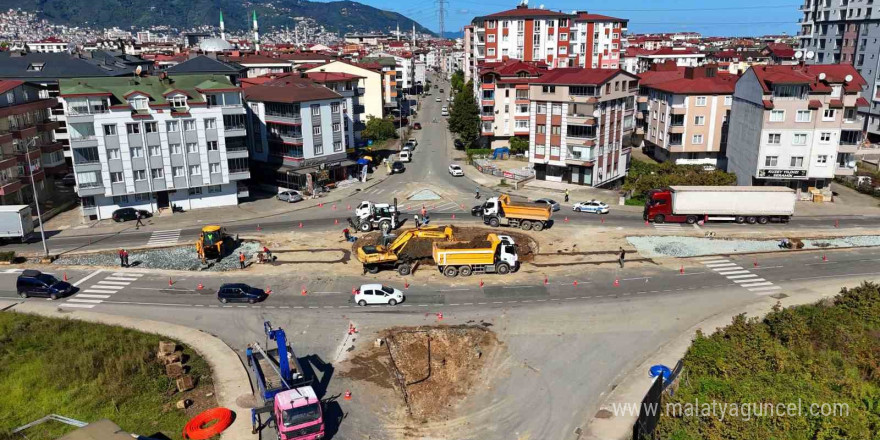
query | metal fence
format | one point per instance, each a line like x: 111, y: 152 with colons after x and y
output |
x: 515, y: 175
x: 650, y: 409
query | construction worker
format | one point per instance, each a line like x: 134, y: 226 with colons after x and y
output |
x: 424, y: 211
x: 122, y: 258
x: 268, y: 253
x: 347, y: 234
x: 622, y: 257
x: 416, y: 220
x: 125, y: 258
x: 566, y: 195
x: 241, y: 259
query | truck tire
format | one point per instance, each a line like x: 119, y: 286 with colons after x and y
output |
x: 373, y: 269
x: 525, y: 225
x: 404, y: 269
x: 659, y: 219
x: 493, y: 222
x: 763, y: 220
x: 538, y: 226
x: 751, y: 220
x: 502, y: 268
x: 365, y: 227
x: 740, y: 219
x: 691, y: 219
x: 465, y: 271
x: 450, y: 271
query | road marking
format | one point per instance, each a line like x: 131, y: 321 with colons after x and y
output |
x: 720, y: 264
x: 114, y: 283
x: 750, y: 280
x: 765, y: 283
x: 158, y: 238
x: 731, y: 267
x: 822, y: 263
x: 326, y: 292
x: 733, y: 277
x: 517, y: 287
x: 714, y: 260
x: 710, y: 258
x: 90, y: 301
x: 733, y: 272
x: 84, y: 295
x: 639, y: 278
x: 127, y: 274
x: 767, y: 267
x: 120, y: 279
x: 98, y: 291
x: 81, y: 306
x: 835, y: 276
x: 87, y: 277
x: 453, y: 290
x: 691, y: 273
x: 765, y: 288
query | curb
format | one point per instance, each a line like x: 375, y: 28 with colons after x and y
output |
x: 230, y: 376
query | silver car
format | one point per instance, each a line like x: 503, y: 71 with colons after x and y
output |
x: 290, y: 196
x: 553, y: 204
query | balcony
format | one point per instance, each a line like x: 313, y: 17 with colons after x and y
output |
x: 678, y: 110
x: 844, y: 171
x: 236, y: 151
x: 235, y: 131
x: 23, y: 155
x: 8, y: 162
x: 50, y: 147
x: 26, y: 178
x: 9, y: 186
x: 24, y: 133
x: 5, y: 137
x: 243, y: 191
x: 676, y: 129
x: 487, y: 116
x: 239, y: 174
x: 90, y: 189
x: 284, y: 118
x: 48, y: 125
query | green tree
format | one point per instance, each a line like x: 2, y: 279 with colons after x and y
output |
x: 379, y: 129
x: 643, y: 177
x: 457, y: 81
x: 518, y: 145
x: 464, y: 118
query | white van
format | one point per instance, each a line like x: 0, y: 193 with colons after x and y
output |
x: 405, y: 156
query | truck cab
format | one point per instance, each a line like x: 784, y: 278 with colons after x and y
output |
x: 298, y: 414
x: 658, y: 202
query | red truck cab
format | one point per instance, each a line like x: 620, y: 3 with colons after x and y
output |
x: 659, y: 202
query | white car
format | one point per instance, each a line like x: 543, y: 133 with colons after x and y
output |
x: 377, y: 294
x: 455, y: 170
x: 437, y: 99
x: 594, y: 206
x: 405, y: 156
x: 413, y: 141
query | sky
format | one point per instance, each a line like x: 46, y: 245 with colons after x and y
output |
x: 708, y: 17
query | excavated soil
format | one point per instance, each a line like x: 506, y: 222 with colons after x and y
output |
x: 433, y: 368
x: 464, y: 237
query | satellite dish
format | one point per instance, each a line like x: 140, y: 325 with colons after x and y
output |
x: 137, y: 71
x: 596, y: 113
x: 810, y: 54
x: 848, y: 78
x: 526, y: 2
x: 799, y: 54
x: 541, y: 6
x: 822, y: 76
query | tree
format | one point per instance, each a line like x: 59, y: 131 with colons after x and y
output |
x: 379, y: 129
x: 464, y: 118
x: 457, y: 81
x: 643, y: 177
x: 518, y: 145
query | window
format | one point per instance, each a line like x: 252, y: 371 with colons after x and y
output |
x: 699, y: 120
x: 155, y: 150
x: 133, y: 128
x: 337, y: 127
x: 113, y: 153
x: 175, y: 149
x: 212, y: 146
x: 774, y: 138
x: 140, y: 175
x: 797, y: 162
x: 777, y: 115
x: 118, y: 200
x: 541, y: 129
x: 701, y: 101
x: 214, y: 168
x: 197, y: 191
x: 822, y: 159
x: 142, y: 197
x: 728, y: 101
x: 799, y: 139
x: 319, y: 149
x: 189, y: 125
x: 828, y: 115
x: 849, y: 114
x: 697, y: 139
x: 210, y: 123
x: 541, y: 109
x: 825, y: 137
x: 192, y: 147
x: 563, y: 37
x: 334, y: 107
x: 555, y: 129
x: 139, y: 103
x: 316, y: 131
x: 137, y: 152
x: 157, y: 173
x: 151, y: 127
x: 10, y: 97
x: 548, y: 89
x: 803, y: 116
x: 337, y: 146
x: 110, y: 130
x: 178, y: 101
x: 177, y: 171
x: 172, y: 126
x: 214, y: 189
x: 770, y: 161
x: 316, y: 110
x: 195, y: 170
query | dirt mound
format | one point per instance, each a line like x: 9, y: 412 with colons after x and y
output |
x: 433, y: 368
x: 469, y: 236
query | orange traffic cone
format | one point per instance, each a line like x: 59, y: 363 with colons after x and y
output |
x: 347, y: 395
x: 546, y: 280
x: 303, y: 291
x: 440, y: 316
x: 200, y: 286
x: 406, y: 284
x: 65, y: 276
x: 300, y: 225
x: 616, y: 282
x: 453, y: 216
x: 268, y: 290
x: 575, y: 283
x: 566, y: 219
x: 170, y: 283
x: 681, y: 270
x: 481, y: 283
x: 824, y: 257
x: 335, y: 221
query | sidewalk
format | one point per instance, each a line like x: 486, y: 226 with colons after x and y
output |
x: 631, y: 386
x: 230, y: 376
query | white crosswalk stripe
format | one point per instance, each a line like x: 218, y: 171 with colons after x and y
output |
x: 739, y: 276
x: 160, y: 238
x: 749, y: 280
x: 101, y: 290
x: 672, y: 227
x: 733, y: 272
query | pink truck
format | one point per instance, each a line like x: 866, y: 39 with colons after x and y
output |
x: 298, y: 414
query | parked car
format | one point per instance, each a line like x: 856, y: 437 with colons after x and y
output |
x: 437, y: 99
x: 477, y: 211
x: 594, y: 206
x: 397, y: 167
x: 405, y: 156
x: 126, y: 214
x: 455, y: 170
x: 413, y: 141
x: 458, y: 144
x: 444, y: 113
x: 35, y: 283
x: 290, y: 196
x: 550, y: 202
x: 377, y: 294
x: 407, y: 147
x: 68, y: 180
x: 240, y: 292
x: 417, y: 126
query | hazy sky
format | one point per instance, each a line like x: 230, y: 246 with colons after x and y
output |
x: 709, y: 17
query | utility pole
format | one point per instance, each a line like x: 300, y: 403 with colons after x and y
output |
x: 33, y: 143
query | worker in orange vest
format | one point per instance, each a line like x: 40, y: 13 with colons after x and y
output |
x: 241, y: 259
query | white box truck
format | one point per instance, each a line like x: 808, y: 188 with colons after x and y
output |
x: 740, y: 204
x: 15, y: 222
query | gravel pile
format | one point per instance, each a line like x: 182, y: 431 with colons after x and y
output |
x: 669, y: 246
x: 172, y: 258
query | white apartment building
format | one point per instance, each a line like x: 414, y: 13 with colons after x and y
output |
x: 154, y: 142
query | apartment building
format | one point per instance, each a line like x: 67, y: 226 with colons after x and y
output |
x: 347, y: 85
x: 372, y: 84
x: 559, y: 39
x: 846, y: 31
x: 684, y: 114
x: 391, y: 80
x: 580, y: 122
x: 297, y: 133
x: 796, y: 126
x: 157, y: 141
x: 682, y: 56
x: 503, y: 92
x: 26, y: 143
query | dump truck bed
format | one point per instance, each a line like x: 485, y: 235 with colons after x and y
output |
x: 525, y: 211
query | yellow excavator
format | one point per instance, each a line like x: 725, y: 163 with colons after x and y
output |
x: 213, y: 243
x: 392, y: 256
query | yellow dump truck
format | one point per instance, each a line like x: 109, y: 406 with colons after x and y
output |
x: 501, y: 211
x: 401, y: 254
x: 494, y: 255
x: 213, y: 243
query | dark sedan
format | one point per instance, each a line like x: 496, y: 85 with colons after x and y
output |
x: 397, y: 167
x: 240, y: 292
x: 477, y: 211
x: 126, y: 214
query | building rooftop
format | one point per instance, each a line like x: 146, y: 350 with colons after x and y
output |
x: 513, y: 68
x: 153, y: 87
x: 289, y: 88
x: 51, y: 66
x: 9, y: 84
x: 585, y: 16
x: 579, y: 76
x: 524, y: 11
x: 323, y: 77
x: 809, y: 75
x: 205, y: 64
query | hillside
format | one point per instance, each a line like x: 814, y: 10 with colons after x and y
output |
x: 338, y: 16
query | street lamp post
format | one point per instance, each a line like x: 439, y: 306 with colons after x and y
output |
x: 33, y: 143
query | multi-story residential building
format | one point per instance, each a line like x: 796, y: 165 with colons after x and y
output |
x: 153, y: 142
x: 503, y: 93
x: 846, y: 31
x: 372, y: 83
x: 347, y: 85
x: 684, y: 114
x: 26, y: 143
x: 580, y: 121
x: 683, y: 57
x: 391, y: 87
x: 297, y: 133
x: 557, y: 38
x: 795, y: 126
x: 50, y: 45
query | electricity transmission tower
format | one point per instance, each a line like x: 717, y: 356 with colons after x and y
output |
x: 441, y: 12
